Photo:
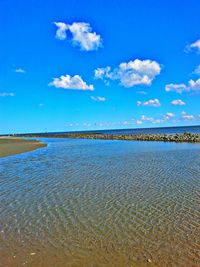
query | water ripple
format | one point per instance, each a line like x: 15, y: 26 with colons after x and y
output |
x: 101, y: 203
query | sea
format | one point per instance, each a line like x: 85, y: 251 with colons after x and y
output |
x: 101, y: 203
x: 155, y: 130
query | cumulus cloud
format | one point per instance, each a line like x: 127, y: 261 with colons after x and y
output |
x: 98, y: 98
x: 81, y: 35
x: 150, y: 103
x: 136, y: 72
x: 193, y: 46
x: 178, y: 102
x: 20, y: 70
x: 185, y: 116
x: 67, y: 82
x: 180, y: 88
x: 6, y: 94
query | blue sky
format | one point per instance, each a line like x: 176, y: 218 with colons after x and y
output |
x: 83, y: 65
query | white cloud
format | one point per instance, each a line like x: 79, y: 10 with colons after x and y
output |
x: 193, y: 46
x: 61, y: 31
x: 67, y: 82
x: 178, y: 102
x: 194, y: 85
x: 157, y: 121
x: 139, y: 122
x: 150, y: 119
x: 102, y: 73
x: 185, y: 116
x: 168, y: 116
x: 6, y: 94
x: 180, y: 88
x: 82, y: 35
x: 98, y: 98
x: 41, y: 105
x: 197, y: 70
x: 20, y: 70
x: 136, y: 72
x: 150, y: 103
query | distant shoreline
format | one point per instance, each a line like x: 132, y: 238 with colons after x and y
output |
x: 147, y: 130
x: 13, y: 145
x: 178, y: 138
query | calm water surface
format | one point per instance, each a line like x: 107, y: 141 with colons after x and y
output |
x: 101, y: 203
x: 156, y: 130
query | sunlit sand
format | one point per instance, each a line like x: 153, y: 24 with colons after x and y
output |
x: 11, y: 146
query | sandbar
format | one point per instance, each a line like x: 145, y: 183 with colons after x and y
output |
x: 11, y: 146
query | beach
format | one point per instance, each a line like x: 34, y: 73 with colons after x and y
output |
x: 12, y: 145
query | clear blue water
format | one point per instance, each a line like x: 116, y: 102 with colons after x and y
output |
x: 101, y: 203
x: 158, y: 130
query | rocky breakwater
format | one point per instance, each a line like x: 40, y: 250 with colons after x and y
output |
x: 185, y: 137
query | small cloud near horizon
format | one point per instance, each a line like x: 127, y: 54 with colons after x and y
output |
x: 185, y: 116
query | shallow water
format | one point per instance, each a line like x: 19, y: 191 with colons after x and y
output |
x: 101, y: 203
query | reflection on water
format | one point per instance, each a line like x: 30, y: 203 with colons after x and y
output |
x: 101, y: 203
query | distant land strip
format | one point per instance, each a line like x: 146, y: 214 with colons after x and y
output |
x: 178, y: 138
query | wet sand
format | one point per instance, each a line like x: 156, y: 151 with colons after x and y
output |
x: 12, y: 146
